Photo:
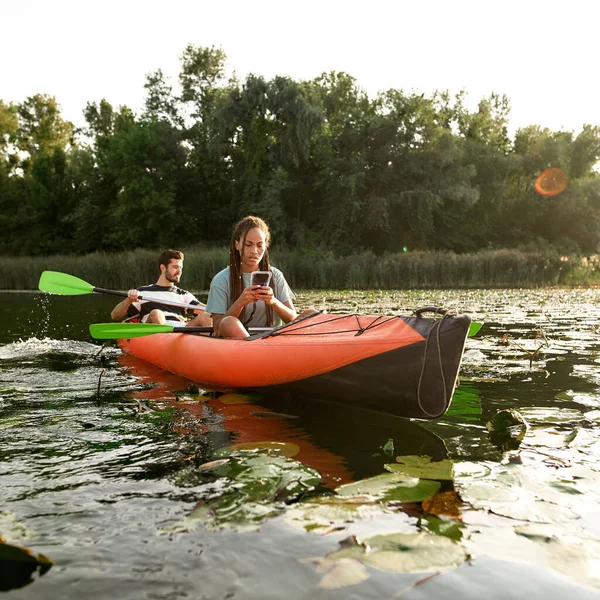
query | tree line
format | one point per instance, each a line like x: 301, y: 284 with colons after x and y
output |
x: 327, y: 166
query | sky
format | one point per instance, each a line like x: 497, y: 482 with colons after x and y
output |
x: 542, y: 55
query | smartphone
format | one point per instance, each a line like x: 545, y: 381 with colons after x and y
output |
x: 260, y: 278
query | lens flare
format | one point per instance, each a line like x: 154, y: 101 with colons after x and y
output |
x: 551, y: 182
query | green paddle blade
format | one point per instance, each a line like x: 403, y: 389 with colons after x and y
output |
x: 115, y: 331
x: 474, y: 328
x: 54, y: 282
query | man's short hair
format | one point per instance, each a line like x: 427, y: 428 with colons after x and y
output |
x: 168, y: 255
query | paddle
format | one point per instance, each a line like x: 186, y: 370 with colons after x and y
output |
x: 474, y: 328
x: 54, y: 282
x: 115, y: 331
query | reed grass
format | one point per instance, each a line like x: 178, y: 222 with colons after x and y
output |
x: 316, y: 270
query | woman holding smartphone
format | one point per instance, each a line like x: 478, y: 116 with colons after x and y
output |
x: 235, y: 301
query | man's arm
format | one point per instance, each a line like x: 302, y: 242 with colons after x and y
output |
x: 120, y: 310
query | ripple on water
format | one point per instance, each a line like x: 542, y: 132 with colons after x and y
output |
x: 32, y: 347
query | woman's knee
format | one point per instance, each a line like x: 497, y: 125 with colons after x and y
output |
x: 230, y: 327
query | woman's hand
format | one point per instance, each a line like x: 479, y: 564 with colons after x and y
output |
x: 252, y: 294
x: 265, y: 293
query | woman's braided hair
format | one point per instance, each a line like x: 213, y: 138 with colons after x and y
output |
x: 236, y: 285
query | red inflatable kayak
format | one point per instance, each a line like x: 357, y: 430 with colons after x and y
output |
x: 407, y: 366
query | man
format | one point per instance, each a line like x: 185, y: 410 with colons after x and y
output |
x: 170, y: 264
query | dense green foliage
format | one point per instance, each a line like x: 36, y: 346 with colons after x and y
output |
x: 327, y: 166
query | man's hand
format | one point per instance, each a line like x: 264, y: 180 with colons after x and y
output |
x: 133, y: 296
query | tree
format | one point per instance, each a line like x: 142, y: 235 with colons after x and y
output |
x: 41, y: 130
x: 203, y: 69
x: 161, y: 104
x: 145, y: 160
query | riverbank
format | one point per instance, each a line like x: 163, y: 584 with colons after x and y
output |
x: 322, y: 270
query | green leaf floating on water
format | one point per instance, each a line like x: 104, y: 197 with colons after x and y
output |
x: 253, y: 486
x: 405, y: 552
x: 359, y: 501
x: 423, y: 490
x: 561, y: 547
x: 340, y: 573
x: 567, y: 396
x: 375, y: 486
x: 573, y: 557
x: 395, y: 487
x: 334, y: 513
x: 449, y: 529
x: 537, y: 492
x: 422, y: 467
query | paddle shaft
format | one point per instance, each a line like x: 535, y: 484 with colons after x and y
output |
x: 100, y: 290
x: 115, y: 331
x: 193, y: 329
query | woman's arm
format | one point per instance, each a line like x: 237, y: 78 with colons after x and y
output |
x: 285, y: 310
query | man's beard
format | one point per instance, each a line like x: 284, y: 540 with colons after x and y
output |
x: 172, y: 279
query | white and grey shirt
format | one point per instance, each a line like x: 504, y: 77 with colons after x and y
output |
x: 171, y: 292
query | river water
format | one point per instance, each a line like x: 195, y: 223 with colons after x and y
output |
x: 136, y: 484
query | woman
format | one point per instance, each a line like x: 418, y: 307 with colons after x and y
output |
x: 234, y: 303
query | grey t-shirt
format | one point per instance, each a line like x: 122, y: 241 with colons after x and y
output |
x: 219, y: 300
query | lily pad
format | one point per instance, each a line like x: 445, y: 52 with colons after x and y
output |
x: 287, y: 449
x: 528, y: 494
x: 334, y: 513
x: 550, y: 437
x: 343, y: 573
x: 422, y: 491
x: 255, y: 486
x: 375, y: 486
x: 405, y: 552
x: 422, y: 467
x: 449, y: 529
x: 570, y: 555
x: 391, y: 487
x: 558, y: 546
x: 467, y: 469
